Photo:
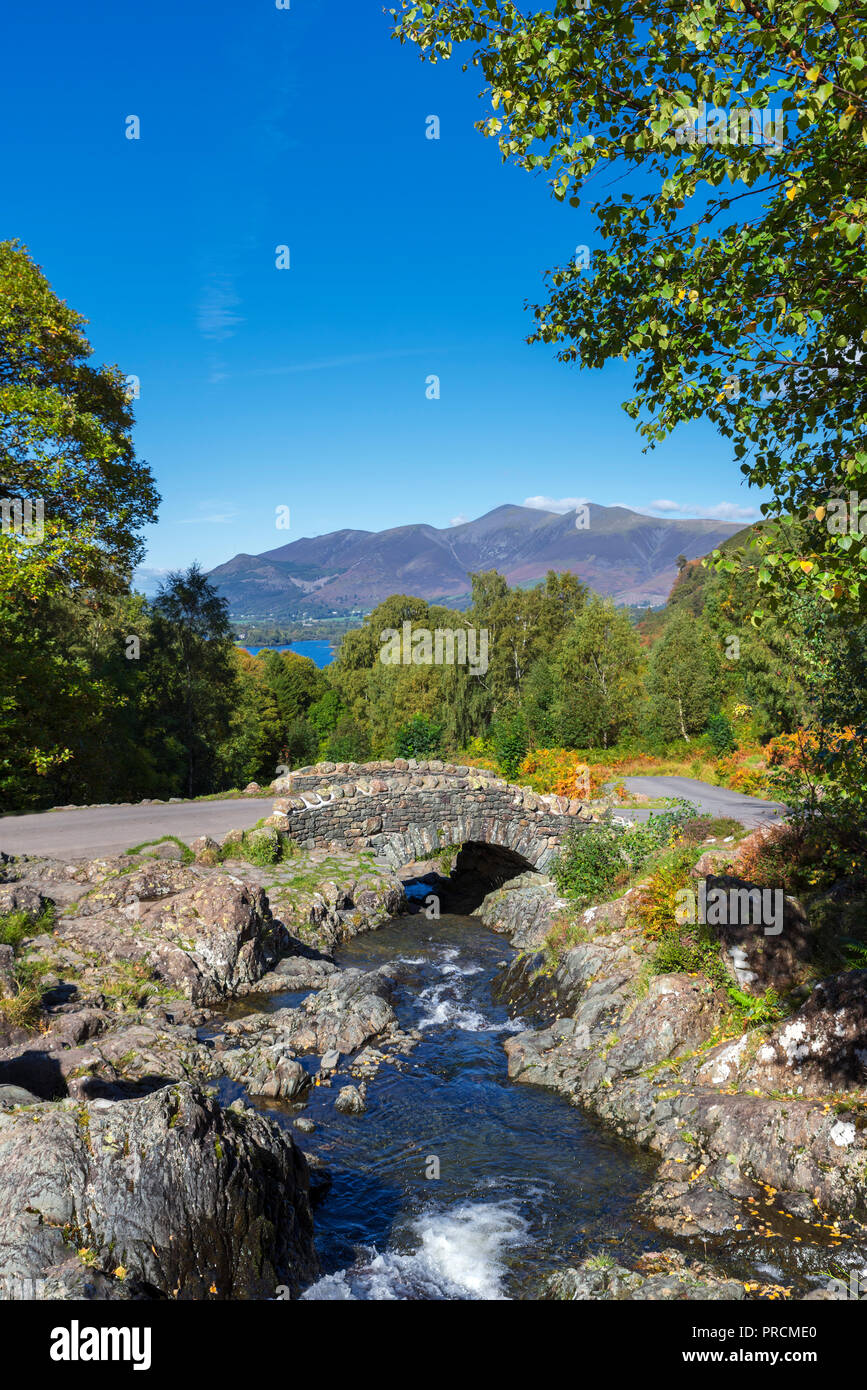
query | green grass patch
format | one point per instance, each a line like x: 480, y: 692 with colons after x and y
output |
x: 15, y: 927
x: 187, y: 856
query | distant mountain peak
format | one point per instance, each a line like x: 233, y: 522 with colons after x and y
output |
x: 621, y: 553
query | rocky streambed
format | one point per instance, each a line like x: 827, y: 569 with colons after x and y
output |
x: 234, y: 1087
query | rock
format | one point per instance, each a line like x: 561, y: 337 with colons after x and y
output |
x: 77, y: 1057
x: 211, y: 940
x: 350, y: 1101
x: 8, y: 983
x: 675, y: 1016
x: 265, y: 840
x: 23, y: 897
x: 330, y: 1061
x: 192, y: 1201
x: 757, y: 960
x: 522, y: 909
x: 267, y: 1070
x: 252, y: 789
x: 148, y: 884
x: 821, y: 1048
x: 657, y: 1277
x: 304, y: 1125
x: 295, y: 973
x: 16, y: 1095
x: 711, y: 860
x: 166, y: 849
x: 206, y: 850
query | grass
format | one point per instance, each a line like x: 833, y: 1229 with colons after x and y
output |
x: 24, y: 1009
x: 187, y: 856
x: 15, y: 927
x: 130, y: 985
x: 263, y: 851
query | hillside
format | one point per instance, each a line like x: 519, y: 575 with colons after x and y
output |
x: 622, y: 554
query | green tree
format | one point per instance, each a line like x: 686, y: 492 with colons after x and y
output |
x: 597, y: 674
x: 300, y: 743
x: 65, y: 440
x: 419, y: 738
x: 509, y: 737
x: 67, y: 690
x: 683, y: 678
x: 719, y: 216
x: 192, y: 679
x: 294, y: 682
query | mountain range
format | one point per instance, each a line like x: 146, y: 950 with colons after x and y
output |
x: 617, y: 552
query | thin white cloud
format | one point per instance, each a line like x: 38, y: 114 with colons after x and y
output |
x: 324, y: 364
x: 215, y: 314
x: 213, y: 513
x: 459, y: 520
x: 718, y: 511
x: 147, y: 578
x: 556, y: 504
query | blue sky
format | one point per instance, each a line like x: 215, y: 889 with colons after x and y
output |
x: 305, y: 388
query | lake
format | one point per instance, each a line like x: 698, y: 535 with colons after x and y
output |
x: 320, y: 653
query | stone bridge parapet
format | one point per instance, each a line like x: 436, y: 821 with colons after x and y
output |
x: 407, y: 809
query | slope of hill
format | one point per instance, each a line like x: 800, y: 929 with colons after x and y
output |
x: 632, y: 558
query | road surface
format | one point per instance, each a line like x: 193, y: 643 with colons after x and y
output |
x: 90, y: 831
x: 712, y: 801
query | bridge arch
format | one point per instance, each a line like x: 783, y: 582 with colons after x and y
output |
x: 405, y: 810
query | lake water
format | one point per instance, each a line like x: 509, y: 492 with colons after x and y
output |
x: 320, y: 653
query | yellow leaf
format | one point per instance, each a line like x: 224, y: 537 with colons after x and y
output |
x: 806, y: 566
x: 819, y: 513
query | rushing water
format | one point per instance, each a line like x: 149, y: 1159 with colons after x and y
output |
x: 527, y: 1183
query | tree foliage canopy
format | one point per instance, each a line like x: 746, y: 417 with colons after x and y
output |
x: 732, y: 268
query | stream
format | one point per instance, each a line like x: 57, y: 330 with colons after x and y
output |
x: 526, y: 1184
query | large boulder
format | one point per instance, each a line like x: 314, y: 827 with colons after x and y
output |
x: 128, y: 891
x: 821, y: 1049
x: 84, y: 1056
x: 660, y: 1276
x: 170, y: 1195
x: 761, y: 956
x: 260, y: 1050
x: 211, y: 940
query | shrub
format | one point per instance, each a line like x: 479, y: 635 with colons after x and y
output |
x: 24, y: 1009
x: 721, y: 734
x: 261, y: 846
x: 15, y: 927
x: 348, y: 743
x: 592, y: 863
x: 657, y: 901
x: 704, y: 827
x: 564, y: 771
x: 770, y: 858
x: 419, y: 738
x: 509, y: 738
x: 690, y: 950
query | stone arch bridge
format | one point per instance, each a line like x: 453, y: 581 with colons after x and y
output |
x: 405, y: 810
